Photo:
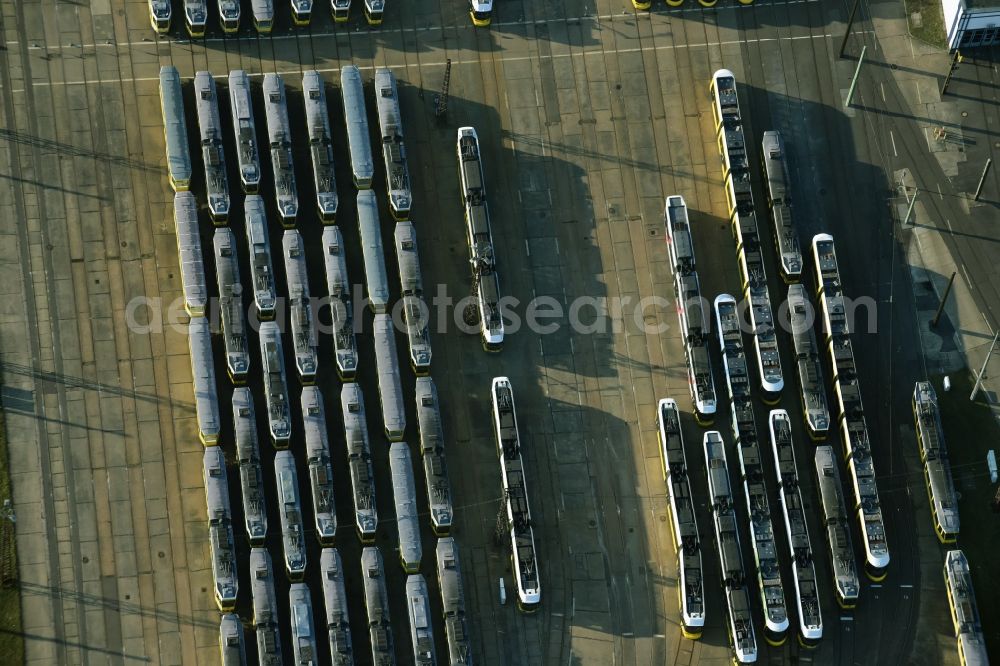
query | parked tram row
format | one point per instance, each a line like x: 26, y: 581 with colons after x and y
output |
x: 753, y: 371
x: 293, y: 512
x: 262, y: 14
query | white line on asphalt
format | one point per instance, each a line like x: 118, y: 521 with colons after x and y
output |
x: 882, y: 86
x: 875, y: 585
x: 456, y: 61
x: 988, y: 325
x: 893, y: 139
x: 659, y: 636
x: 966, y: 274
x: 846, y: 618
x: 907, y: 586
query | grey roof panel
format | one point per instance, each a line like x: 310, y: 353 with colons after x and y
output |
x: 356, y: 117
x: 320, y: 143
x: 320, y: 467
x: 275, y: 382
x: 203, y: 372
x: 456, y: 621
x: 212, y: 151
x: 279, y: 134
x: 290, y: 509
x: 220, y: 527
x: 335, y: 604
x: 352, y: 404
x: 265, y: 608
x: 390, y: 390
x: 303, y: 628
x: 261, y: 267
x: 404, y: 493
x: 418, y: 609
x: 376, y: 278
x: 432, y: 454
x: 189, y: 255
x: 244, y: 129
x: 232, y: 314
x: 410, y: 280
x: 397, y: 173
x: 304, y: 336
x: 175, y: 128
x: 377, y: 607
x: 251, y: 474
x: 231, y: 642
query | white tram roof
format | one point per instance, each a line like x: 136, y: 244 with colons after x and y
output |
x: 391, y: 131
x: 409, y: 261
x: 405, y: 496
x: 175, y: 129
x: 373, y: 573
x: 265, y: 607
x: 353, y: 96
x: 337, y: 281
x: 231, y: 641
x: 429, y: 414
x: 419, y: 611
x: 376, y: 278
x: 303, y: 632
x: 189, y: 255
x: 387, y: 363
x: 203, y: 371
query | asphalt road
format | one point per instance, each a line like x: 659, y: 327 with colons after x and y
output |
x: 586, y: 124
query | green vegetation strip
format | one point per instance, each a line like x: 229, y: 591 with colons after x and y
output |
x: 11, y: 639
x: 930, y: 26
x: 970, y: 431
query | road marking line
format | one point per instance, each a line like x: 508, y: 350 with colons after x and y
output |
x: 846, y: 618
x: 455, y: 61
x: 875, y: 585
x: 882, y: 86
x: 893, y: 139
x: 907, y: 586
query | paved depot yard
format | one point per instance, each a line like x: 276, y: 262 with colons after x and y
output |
x: 588, y: 116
